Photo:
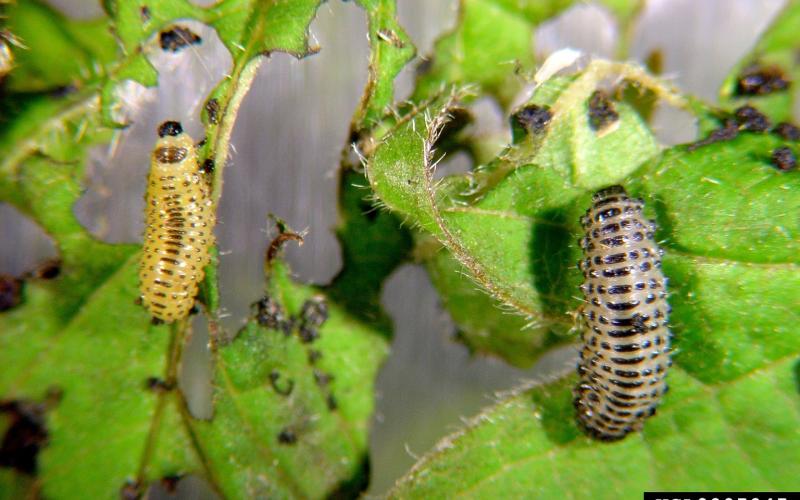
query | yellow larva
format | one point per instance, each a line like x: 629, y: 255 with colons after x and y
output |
x: 179, y: 224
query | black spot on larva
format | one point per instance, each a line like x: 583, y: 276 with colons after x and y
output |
x: 10, y: 292
x: 131, y: 490
x: 170, y: 154
x: 761, y: 80
x: 784, y: 159
x: 171, y: 128
x: 617, y: 368
x: 749, y: 118
x: 728, y: 131
x: 156, y: 321
x: 287, y: 388
x: 144, y: 13
x: 787, y: 131
x: 156, y: 384
x: 207, y: 167
x: 212, y: 109
x: 532, y: 119
x: 177, y: 37
x: 287, y: 436
x: 25, y: 435
x: 602, y: 111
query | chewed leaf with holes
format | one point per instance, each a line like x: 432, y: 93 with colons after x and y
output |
x: 87, y: 381
x: 769, y: 75
x: 512, y: 225
x: 293, y: 400
x: 78, y: 350
x: 390, y: 50
x: 492, y: 45
x: 77, y: 51
x: 728, y: 222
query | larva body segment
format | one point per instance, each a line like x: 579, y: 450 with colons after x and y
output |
x: 625, y: 354
x: 179, y: 224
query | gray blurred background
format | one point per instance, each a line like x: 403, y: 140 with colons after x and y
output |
x: 286, y: 145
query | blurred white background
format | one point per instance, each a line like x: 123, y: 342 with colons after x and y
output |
x: 286, y: 145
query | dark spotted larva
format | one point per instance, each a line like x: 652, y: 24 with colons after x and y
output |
x: 625, y: 352
x: 179, y: 224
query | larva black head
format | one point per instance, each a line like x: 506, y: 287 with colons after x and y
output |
x: 615, y: 190
x: 170, y: 128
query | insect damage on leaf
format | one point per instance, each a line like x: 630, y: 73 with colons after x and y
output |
x: 26, y: 433
x: 761, y: 80
x: 274, y: 381
x: 312, y: 315
x: 131, y: 490
x: 47, y: 270
x: 784, y: 159
x: 177, y: 37
x: 749, y: 118
x: 10, y: 292
x: 287, y: 436
x: 745, y: 118
x: 212, y: 111
x: 270, y: 314
x: 159, y: 385
x: 787, y: 131
x: 602, y: 112
x: 531, y: 119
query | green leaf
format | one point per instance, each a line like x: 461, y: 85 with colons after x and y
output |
x: 80, y: 335
x: 775, y: 54
x: 728, y: 222
x: 373, y: 245
x: 55, y: 51
x: 99, y: 362
x: 286, y: 410
x: 390, y: 50
x: 485, y: 326
x: 120, y: 422
x: 512, y: 224
x: 490, y: 45
x: 734, y: 435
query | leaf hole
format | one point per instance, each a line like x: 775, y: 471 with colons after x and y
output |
x: 589, y: 28
x: 32, y: 250
x: 111, y: 207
